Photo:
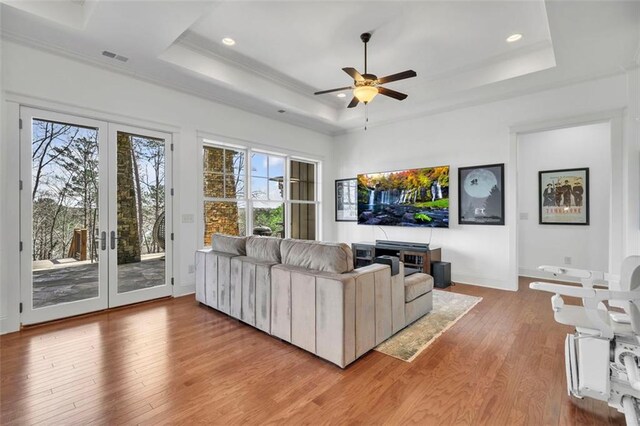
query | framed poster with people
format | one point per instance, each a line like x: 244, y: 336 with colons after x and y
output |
x: 563, y: 197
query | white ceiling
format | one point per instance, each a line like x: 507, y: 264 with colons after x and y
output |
x: 287, y: 50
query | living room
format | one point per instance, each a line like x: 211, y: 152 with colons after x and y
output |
x: 173, y: 84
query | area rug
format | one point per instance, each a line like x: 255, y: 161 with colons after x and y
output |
x: 448, y: 308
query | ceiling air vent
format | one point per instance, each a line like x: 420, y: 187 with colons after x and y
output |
x: 114, y: 56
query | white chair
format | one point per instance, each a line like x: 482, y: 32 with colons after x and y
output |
x: 602, y: 355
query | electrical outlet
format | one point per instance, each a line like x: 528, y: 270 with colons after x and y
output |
x: 192, y: 269
x: 567, y: 260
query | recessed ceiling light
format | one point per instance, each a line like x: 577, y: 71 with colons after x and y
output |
x: 281, y: 111
x: 228, y: 41
x: 514, y: 37
x: 341, y: 95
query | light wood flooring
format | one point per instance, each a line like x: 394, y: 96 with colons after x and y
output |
x: 174, y: 361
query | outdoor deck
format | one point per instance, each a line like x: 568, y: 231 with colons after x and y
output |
x: 70, y: 282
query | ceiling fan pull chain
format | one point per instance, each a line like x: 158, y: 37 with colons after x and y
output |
x: 366, y: 116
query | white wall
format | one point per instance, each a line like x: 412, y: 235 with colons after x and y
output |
x: 482, y: 255
x: 41, y: 79
x: 631, y: 164
x: 573, y: 147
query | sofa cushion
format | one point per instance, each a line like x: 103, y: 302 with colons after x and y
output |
x: 317, y: 255
x: 416, y: 285
x: 266, y: 249
x: 229, y: 244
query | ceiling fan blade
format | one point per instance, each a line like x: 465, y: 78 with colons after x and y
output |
x: 353, y: 102
x: 399, y: 76
x: 334, y: 90
x: 353, y: 73
x: 391, y: 93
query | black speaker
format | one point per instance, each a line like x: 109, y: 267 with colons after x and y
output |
x: 441, y: 272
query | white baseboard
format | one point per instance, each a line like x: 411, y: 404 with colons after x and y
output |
x: 480, y: 282
x: 535, y: 273
x: 183, y: 290
x: 8, y: 325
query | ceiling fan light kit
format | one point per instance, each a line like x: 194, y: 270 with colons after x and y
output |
x: 367, y: 86
x: 365, y: 93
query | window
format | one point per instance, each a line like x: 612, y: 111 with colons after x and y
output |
x: 267, y: 185
x: 280, y: 199
x: 303, y: 200
x: 224, y: 191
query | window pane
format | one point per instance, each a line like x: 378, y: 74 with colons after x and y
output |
x: 234, y: 186
x: 213, y: 185
x: 303, y: 181
x: 213, y: 161
x: 234, y: 171
x: 268, y: 218
x: 276, y: 166
x: 303, y: 221
x: 225, y: 217
x: 140, y: 212
x: 275, y: 189
x: 65, y: 220
x: 259, y: 165
x: 259, y: 188
x: 223, y: 166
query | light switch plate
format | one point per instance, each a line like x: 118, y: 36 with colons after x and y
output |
x: 187, y: 218
x: 524, y: 216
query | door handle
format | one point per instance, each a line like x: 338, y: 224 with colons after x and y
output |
x: 103, y: 240
x: 113, y: 240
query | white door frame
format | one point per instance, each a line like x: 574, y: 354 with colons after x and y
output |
x: 135, y: 296
x: 29, y: 314
x: 108, y: 296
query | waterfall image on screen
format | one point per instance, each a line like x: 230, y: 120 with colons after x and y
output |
x: 414, y: 198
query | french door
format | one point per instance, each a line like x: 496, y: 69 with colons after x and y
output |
x: 94, y: 215
x: 139, y: 231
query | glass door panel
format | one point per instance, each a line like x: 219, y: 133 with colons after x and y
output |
x: 64, y: 253
x: 140, y: 235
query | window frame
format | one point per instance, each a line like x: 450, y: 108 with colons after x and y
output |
x: 317, y: 191
x: 248, y: 201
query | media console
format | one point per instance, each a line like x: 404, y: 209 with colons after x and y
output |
x: 417, y: 257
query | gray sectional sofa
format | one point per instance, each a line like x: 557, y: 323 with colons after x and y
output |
x: 307, y: 293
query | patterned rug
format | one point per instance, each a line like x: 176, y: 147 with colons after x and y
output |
x: 448, y: 308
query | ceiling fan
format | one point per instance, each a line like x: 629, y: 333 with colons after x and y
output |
x: 367, y: 86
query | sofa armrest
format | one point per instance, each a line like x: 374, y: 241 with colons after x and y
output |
x: 339, y: 317
x: 369, y: 269
x: 397, y: 301
x: 373, y: 305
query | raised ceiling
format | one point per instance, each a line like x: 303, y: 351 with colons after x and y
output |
x: 287, y: 50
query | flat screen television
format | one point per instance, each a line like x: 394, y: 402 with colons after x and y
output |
x: 411, y: 198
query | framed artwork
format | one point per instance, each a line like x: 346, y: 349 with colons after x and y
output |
x: 481, y: 195
x: 563, y: 197
x: 346, y: 200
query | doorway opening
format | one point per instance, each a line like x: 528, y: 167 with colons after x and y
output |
x: 564, y: 204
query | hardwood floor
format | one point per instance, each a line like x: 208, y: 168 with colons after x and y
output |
x: 174, y: 361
